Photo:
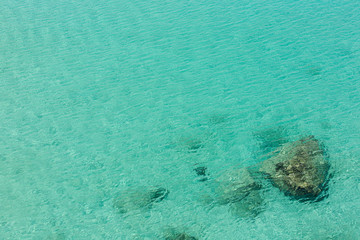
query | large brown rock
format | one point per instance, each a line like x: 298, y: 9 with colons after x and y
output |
x: 299, y: 168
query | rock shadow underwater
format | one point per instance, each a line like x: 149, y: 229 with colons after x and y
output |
x: 192, y: 144
x: 177, y: 234
x: 140, y: 198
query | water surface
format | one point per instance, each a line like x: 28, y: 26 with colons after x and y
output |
x: 101, y: 96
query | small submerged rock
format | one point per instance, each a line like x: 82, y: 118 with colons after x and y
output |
x: 139, y: 198
x: 201, y: 171
x: 180, y: 236
x: 299, y: 168
x: 172, y: 234
x: 241, y: 191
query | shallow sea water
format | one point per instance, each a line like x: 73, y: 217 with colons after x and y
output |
x: 97, y: 97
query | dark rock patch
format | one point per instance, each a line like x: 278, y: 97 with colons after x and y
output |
x: 158, y: 194
x: 200, y: 171
x: 181, y: 236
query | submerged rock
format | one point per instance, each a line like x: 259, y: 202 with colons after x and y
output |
x: 173, y: 234
x: 239, y: 189
x: 180, y: 236
x: 299, y: 168
x: 140, y: 198
x: 202, y: 173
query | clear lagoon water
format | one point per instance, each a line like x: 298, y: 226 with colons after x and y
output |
x: 97, y: 97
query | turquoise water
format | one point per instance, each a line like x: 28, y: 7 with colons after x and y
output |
x: 97, y: 97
